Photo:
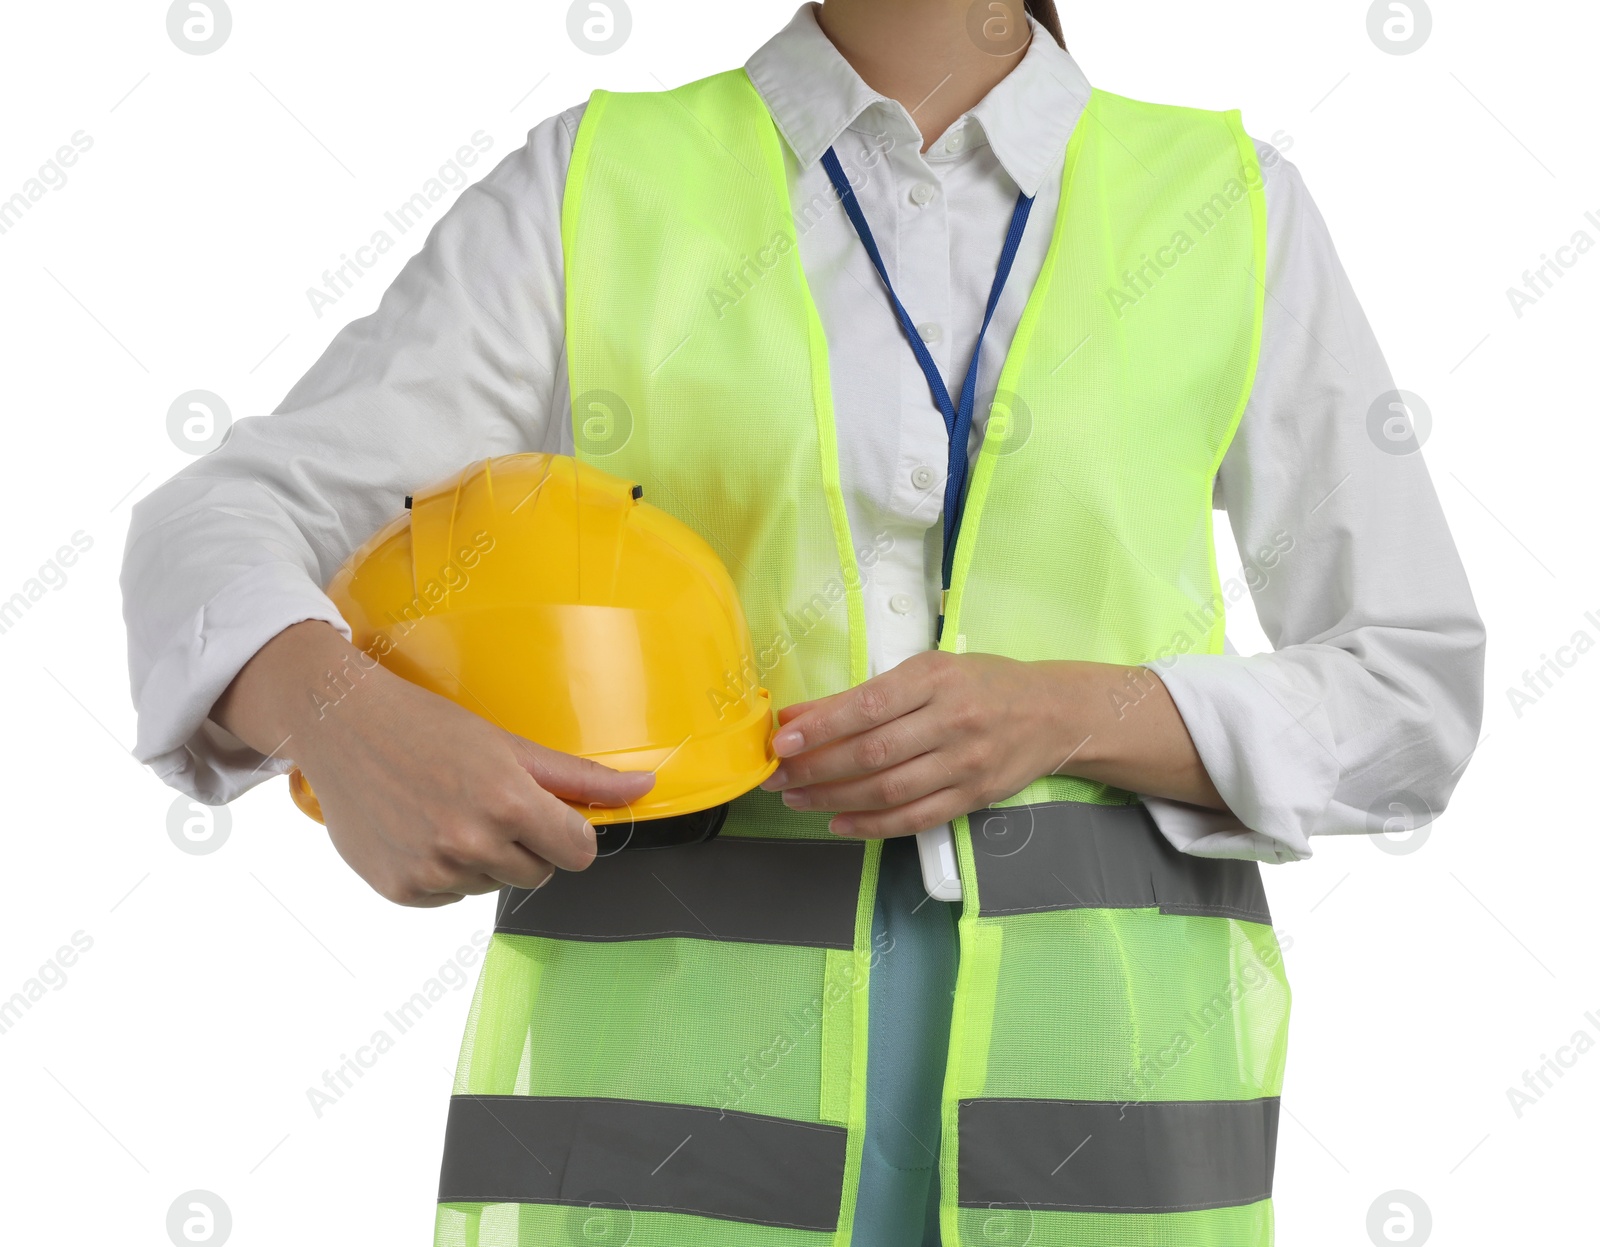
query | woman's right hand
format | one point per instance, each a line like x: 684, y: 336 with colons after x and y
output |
x: 425, y: 800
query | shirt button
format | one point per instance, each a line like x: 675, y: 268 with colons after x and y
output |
x: 928, y: 331
x: 900, y: 604
x: 922, y: 193
x: 955, y: 142
x: 922, y: 477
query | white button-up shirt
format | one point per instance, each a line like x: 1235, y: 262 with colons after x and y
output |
x: 1373, y: 693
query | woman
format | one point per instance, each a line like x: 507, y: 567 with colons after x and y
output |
x: 904, y: 225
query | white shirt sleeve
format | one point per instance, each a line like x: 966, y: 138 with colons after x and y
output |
x: 1373, y: 694
x: 461, y: 360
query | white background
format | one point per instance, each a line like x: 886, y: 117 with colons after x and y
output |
x: 178, y: 1052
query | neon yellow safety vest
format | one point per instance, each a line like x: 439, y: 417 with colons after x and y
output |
x: 669, y: 1049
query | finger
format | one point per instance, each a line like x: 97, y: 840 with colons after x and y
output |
x: 581, y: 779
x: 434, y: 900
x: 517, y: 866
x: 541, y: 824
x: 790, y: 712
x: 475, y: 883
x: 511, y: 864
x: 924, y: 814
x: 459, y: 888
x: 884, y: 790
x: 880, y: 699
x: 866, y: 753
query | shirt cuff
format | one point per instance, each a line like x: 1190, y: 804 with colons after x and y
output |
x: 1267, y: 744
x: 176, y: 739
x: 1201, y: 832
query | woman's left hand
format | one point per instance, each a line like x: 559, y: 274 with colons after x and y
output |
x: 938, y: 736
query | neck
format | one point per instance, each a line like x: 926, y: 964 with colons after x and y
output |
x: 925, y: 54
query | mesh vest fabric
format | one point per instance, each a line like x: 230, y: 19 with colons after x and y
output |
x: 1139, y: 1009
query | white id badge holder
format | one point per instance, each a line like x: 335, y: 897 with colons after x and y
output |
x: 937, y: 851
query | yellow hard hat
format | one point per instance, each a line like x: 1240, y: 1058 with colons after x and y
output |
x: 546, y: 596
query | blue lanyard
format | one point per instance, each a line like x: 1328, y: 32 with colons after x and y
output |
x: 957, y: 418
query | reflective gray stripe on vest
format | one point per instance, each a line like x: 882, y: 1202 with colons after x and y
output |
x: 1073, y: 855
x: 1093, y: 1156
x: 732, y: 888
x: 643, y: 1156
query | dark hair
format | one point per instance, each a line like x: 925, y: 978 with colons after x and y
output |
x: 1044, y: 12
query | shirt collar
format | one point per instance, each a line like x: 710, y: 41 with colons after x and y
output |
x: 814, y: 96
